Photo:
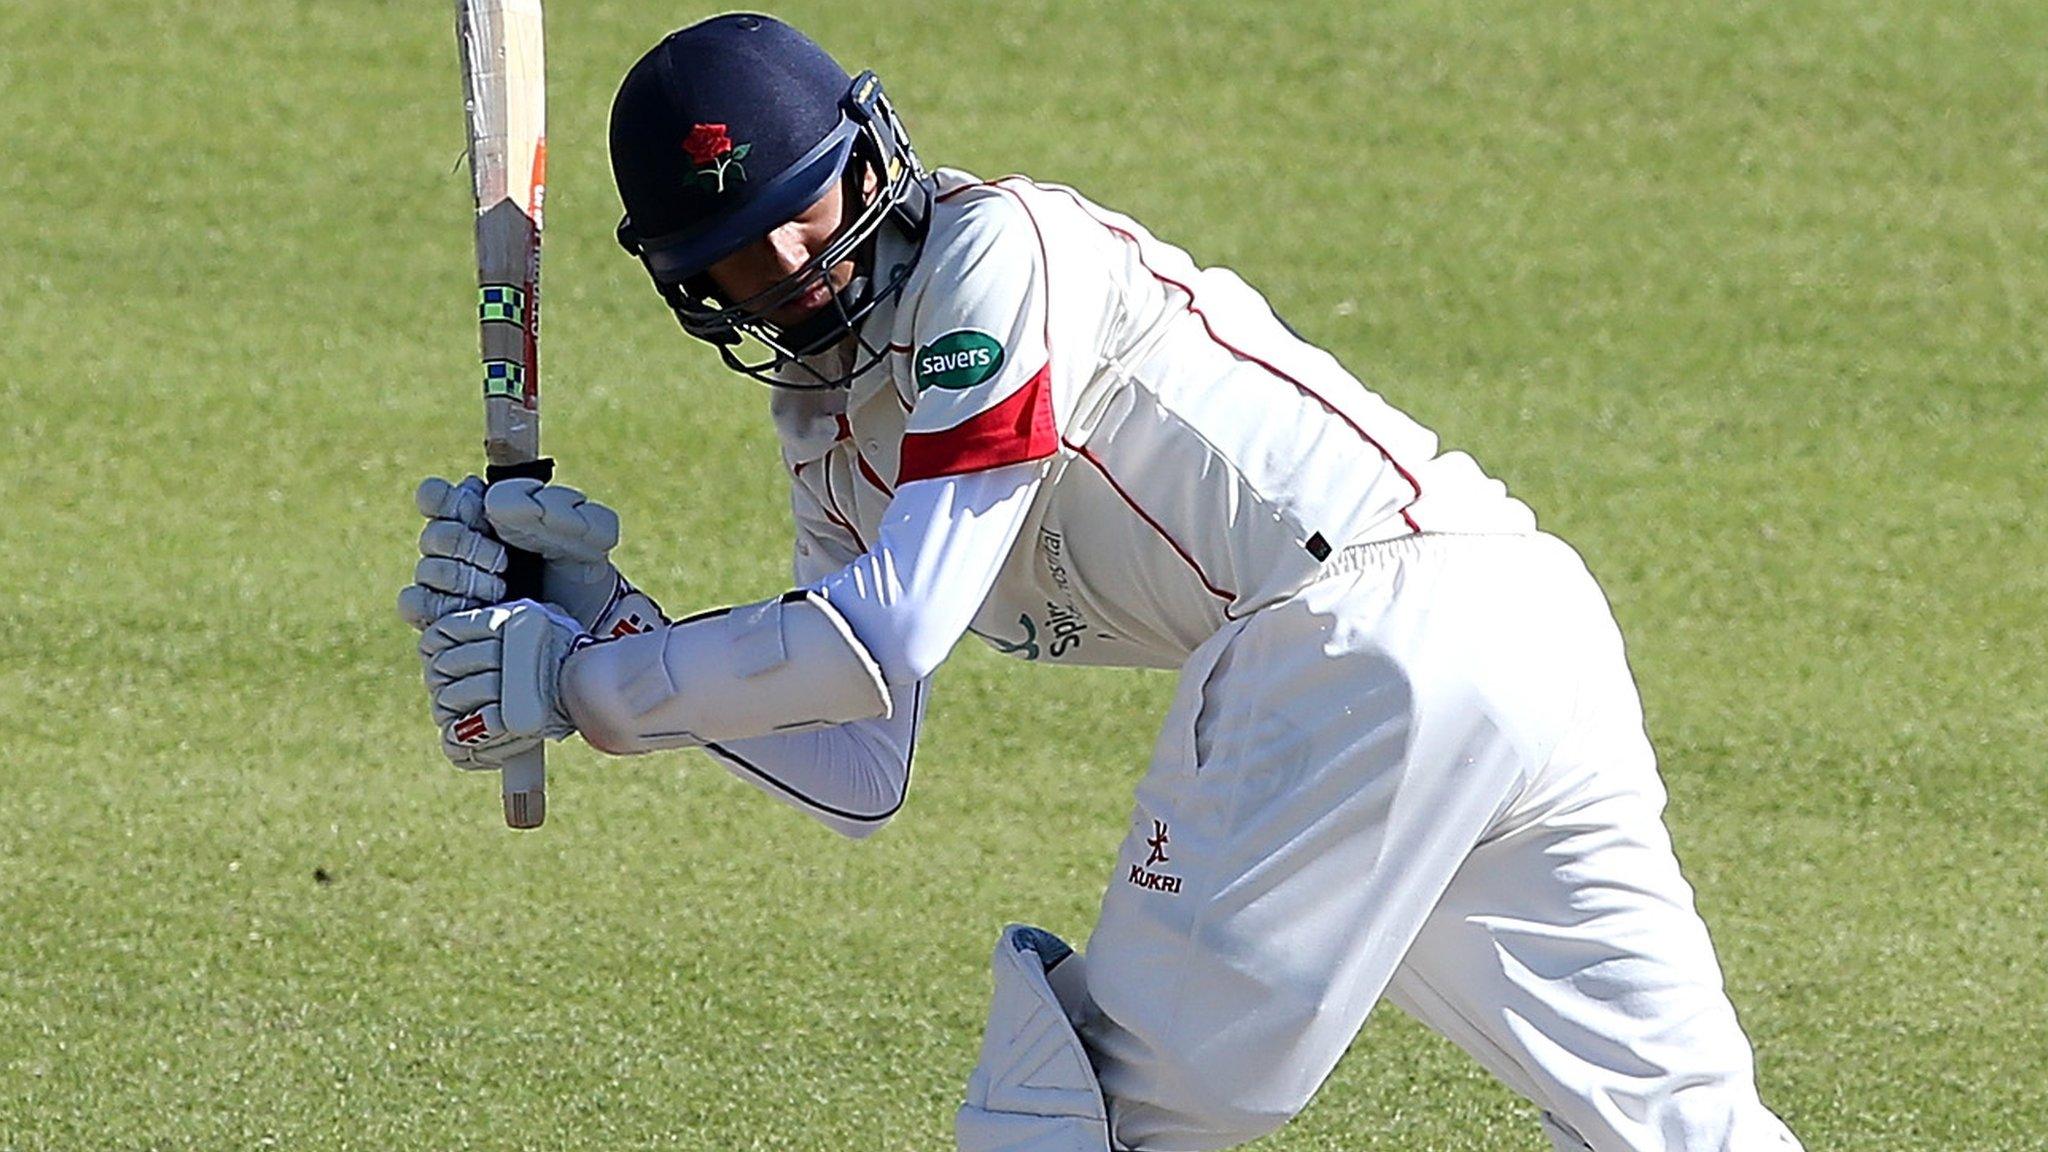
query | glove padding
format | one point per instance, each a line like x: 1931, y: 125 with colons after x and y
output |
x: 461, y: 567
x: 462, y: 559
x: 493, y: 676
x: 571, y: 532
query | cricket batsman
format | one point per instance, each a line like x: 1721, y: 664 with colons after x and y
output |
x: 1406, y: 759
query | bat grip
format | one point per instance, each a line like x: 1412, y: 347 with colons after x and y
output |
x: 522, y: 568
x: 525, y: 777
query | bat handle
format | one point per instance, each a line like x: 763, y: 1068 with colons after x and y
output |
x: 526, y: 788
x: 525, y: 775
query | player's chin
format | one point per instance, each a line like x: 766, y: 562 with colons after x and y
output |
x: 792, y: 318
x: 801, y: 310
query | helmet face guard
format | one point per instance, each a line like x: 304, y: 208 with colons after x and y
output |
x: 867, y: 144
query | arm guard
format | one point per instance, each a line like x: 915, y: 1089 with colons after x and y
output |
x: 779, y: 665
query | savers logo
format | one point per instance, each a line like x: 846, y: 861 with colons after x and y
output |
x: 958, y: 360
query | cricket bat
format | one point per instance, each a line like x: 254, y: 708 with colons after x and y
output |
x: 505, y: 97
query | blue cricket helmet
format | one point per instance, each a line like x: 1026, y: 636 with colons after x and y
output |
x: 729, y: 128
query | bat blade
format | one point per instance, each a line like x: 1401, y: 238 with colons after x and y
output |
x: 504, y: 64
x: 504, y: 95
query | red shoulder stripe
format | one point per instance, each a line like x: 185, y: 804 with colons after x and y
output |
x: 1012, y: 432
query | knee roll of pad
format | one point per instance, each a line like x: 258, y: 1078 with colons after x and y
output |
x: 1034, y: 1090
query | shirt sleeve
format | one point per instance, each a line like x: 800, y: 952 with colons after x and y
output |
x: 853, y: 777
x: 909, y: 599
x: 941, y: 545
x: 850, y: 777
x: 980, y: 359
x: 982, y: 420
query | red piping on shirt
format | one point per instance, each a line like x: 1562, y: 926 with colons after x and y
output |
x: 832, y: 510
x: 1226, y: 597
x: 1241, y: 354
x: 1045, y: 263
x: 867, y: 470
x: 868, y: 473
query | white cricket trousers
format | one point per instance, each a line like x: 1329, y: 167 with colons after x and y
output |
x: 1425, y: 777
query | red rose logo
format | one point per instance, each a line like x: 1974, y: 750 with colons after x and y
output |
x: 706, y: 143
x: 715, y: 155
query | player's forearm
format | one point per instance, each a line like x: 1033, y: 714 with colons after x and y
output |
x: 851, y: 777
x: 753, y: 685
x: 782, y: 664
x: 817, y: 656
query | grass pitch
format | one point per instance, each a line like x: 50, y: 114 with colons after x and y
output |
x: 1744, y: 300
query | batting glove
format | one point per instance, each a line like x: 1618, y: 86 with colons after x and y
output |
x: 493, y: 676
x: 461, y: 566
x: 574, y: 535
x: 462, y: 554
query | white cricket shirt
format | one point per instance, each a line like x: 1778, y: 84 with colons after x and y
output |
x: 1085, y: 449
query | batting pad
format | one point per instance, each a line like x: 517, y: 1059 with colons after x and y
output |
x: 1034, y: 1090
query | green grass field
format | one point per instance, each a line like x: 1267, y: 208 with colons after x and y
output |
x: 1745, y: 299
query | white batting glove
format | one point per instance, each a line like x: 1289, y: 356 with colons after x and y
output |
x: 462, y: 559
x: 493, y: 675
x: 572, y: 533
x: 460, y: 565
